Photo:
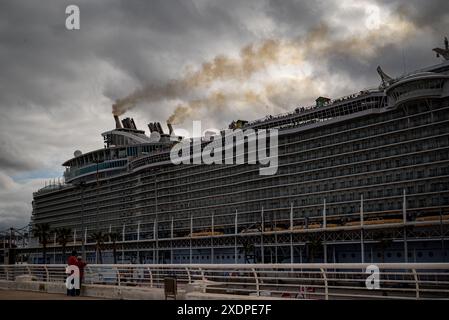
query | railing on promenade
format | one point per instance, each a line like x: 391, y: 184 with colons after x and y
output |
x: 290, y: 281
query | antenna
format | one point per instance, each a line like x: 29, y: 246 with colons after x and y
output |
x: 386, y: 79
x: 443, y: 52
x: 403, y: 60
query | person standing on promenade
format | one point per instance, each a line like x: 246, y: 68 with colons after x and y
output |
x: 72, y: 261
x: 81, y: 264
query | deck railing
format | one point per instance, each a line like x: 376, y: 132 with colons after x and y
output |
x: 290, y: 281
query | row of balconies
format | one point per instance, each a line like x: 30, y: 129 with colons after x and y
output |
x: 290, y: 179
x: 254, y: 198
x: 280, y: 214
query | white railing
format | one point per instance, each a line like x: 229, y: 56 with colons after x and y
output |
x: 290, y: 281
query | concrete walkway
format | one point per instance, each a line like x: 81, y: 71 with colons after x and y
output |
x: 30, y: 295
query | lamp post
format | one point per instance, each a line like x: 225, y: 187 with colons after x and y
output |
x: 97, y: 161
x: 156, y: 229
x: 4, y: 246
x: 81, y: 186
x: 11, y: 230
x: 21, y: 234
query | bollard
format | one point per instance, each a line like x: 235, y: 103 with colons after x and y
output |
x: 170, y: 287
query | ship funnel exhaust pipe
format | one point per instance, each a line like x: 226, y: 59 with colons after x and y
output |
x: 170, y: 128
x: 159, y: 127
x: 118, y: 125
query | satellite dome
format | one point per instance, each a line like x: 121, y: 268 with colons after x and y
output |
x: 77, y: 153
x: 155, y: 136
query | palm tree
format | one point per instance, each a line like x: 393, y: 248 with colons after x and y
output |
x: 113, y: 237
x: 99, y: 238
x: 42, y: 232
x: 383, y: 243
x: 63, y: 236
x: 248, y: 250
x: 314, y: 244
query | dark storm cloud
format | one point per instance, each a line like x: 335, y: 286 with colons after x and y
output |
x: 297, y: 16
x: 426, y: 14
x: 140, y: 38
x: 57, y: 86
x: 430, y: 20
x: 11, y: 159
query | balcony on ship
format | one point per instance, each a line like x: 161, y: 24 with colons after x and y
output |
x: 418, y: 86
x: 72, y: 173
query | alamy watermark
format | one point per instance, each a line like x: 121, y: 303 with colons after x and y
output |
x: 217, y: 147
x: 73, y: 280
x: 373, y: 280
x: 72, y: 22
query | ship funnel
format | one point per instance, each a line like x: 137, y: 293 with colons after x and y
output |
x: 170, y: 128
x: 118, y: 125
x: 128, y: 123
x: 155, y: 127
x: 159, y: 128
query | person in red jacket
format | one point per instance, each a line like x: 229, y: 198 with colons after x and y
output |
x: 72, y: 261
x: 81, y: 264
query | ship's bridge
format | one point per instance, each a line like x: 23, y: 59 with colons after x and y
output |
x: 123, y: 137
x: 418, y: 85
x: 122, y: 145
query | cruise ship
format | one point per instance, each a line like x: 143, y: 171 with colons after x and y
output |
x: 362, y: 178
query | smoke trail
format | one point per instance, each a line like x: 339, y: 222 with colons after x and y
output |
x: 216, y: 100
x: 172, y: 89
x: 254, y: 59
x: 273, y: 93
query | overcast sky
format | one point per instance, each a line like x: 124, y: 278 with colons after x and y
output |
x: 239, y: 59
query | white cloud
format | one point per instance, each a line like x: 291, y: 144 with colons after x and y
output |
x: 15, y: 200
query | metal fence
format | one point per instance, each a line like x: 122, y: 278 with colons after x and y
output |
x: 289, y: 281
